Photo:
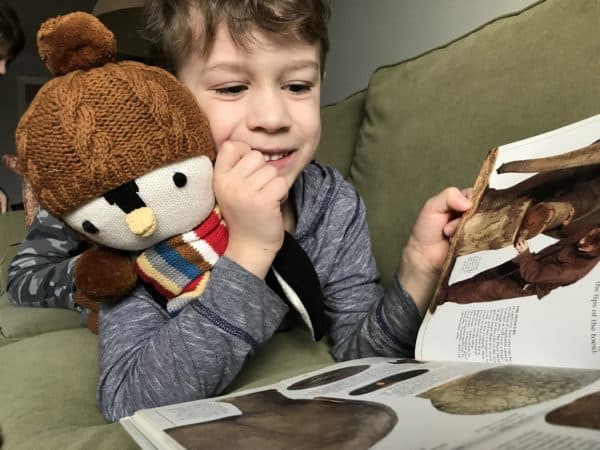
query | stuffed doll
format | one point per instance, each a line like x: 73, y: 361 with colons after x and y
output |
x: 122, y: 153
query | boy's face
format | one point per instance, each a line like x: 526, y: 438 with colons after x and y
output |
x: 267, y: 96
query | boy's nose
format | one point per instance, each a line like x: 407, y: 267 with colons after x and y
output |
x: 268, y: 111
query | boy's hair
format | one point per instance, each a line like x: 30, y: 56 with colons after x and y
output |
x: 12, y: 38
x: 178, y: 28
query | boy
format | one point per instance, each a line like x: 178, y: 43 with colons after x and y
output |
x: 256, y: 68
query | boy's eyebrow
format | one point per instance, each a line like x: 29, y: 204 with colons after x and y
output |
x: 303, y: 64
x: 237, y: 67
x: 224, y: 66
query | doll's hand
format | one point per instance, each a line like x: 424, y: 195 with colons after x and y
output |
x: 428, y: 244
x: 104, y: 275
x: 101, y: 275
x: 249, y: 193
x: 521, y: 245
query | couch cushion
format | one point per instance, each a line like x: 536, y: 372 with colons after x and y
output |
x: 17, y: 322
x: 47, y: 387
x: 340, y: 124
x: 48, y: 384
x: 430, y: 120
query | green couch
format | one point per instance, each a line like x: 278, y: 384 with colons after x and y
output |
x: 419, y: 126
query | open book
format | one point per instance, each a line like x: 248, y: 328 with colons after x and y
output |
x: 386, y: 403
x: 521, y: 282
x: 508, y: 355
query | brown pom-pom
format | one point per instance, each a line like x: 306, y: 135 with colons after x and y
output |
x: 75, y: 41
x: 104, y: 275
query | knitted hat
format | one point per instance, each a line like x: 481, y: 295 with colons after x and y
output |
x: 98, y: 124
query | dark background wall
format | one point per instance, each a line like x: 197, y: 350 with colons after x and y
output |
x: 27, y: 68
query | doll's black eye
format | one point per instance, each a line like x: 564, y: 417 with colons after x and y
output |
x: 179, y: 179
x: 89, y: 227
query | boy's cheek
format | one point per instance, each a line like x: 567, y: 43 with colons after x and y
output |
x: 225, y: 120
x: 221, y: 133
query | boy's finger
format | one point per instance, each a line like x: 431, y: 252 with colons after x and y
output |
x: 230, y: 154
x: 467, y: 192
x: 448, y: 201
x: 261, y: 177
x: 248, y: 164
x: 277, y: 188
x: 450, y: 227
x: 455, y: 200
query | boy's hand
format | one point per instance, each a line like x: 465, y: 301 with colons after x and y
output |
x: 250, y: 193
x: 428, y: 244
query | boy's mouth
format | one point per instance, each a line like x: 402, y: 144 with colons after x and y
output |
x: 274, y: 155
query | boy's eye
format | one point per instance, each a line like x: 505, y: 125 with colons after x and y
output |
x: 179, y: 179
x: 231, y: 90
x: 298, y: 88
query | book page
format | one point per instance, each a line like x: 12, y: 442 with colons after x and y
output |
x: 387, y: 403
x: 522, y: 281
x: 138, y: 436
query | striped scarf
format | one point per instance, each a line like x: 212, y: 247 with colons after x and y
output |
x: 179, y: 267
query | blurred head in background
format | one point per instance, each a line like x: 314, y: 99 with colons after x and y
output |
x: 12, y: 39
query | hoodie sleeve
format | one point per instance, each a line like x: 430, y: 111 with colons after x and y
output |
x: 148, y: 359
x: 41, y: 272
x: 365, y: 320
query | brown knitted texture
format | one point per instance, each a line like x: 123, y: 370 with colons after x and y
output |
x: 89, y: 132
x: 75, y: 41
x: 30, y: 203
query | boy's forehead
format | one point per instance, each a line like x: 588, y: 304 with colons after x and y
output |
x: 277, y: 25
x: 224, y: 48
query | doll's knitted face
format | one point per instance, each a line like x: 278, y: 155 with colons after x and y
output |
x: 158, y: 205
